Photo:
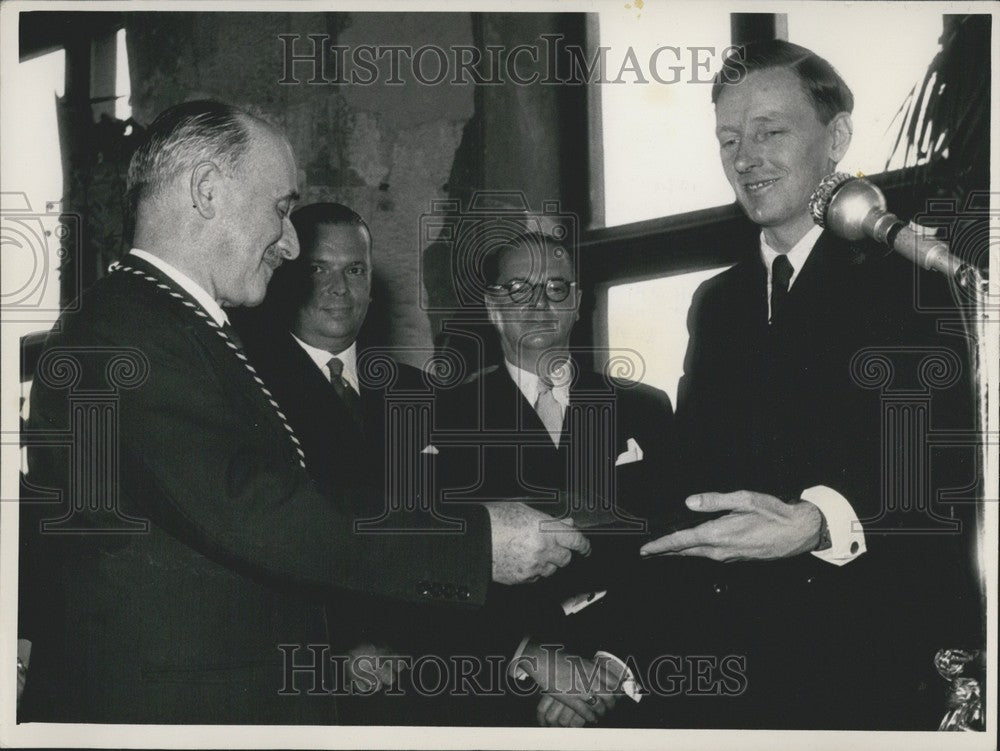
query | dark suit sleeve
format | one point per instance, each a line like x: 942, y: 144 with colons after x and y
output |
x: 693, y: 391
x: 200, y: 459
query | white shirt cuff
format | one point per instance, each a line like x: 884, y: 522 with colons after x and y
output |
x: 847, y: 537
x: 576, y: 603
x: 520, y: 674
x: 629, y: 687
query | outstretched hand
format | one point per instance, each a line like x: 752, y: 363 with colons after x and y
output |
x: 759, y: 527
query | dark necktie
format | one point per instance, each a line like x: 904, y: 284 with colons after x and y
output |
x: 345, y: 390
x: 781, y: 275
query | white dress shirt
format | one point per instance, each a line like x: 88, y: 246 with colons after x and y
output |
x: 321, y: 357
x: 186, y: 283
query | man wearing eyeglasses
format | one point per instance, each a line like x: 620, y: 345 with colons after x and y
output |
x: 541, y: 427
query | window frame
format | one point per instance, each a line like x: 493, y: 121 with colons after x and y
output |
x: 598, y: 241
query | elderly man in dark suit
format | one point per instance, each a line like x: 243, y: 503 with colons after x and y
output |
x: 232, y: 544
x: 552, y: 413
x: 831, y: 599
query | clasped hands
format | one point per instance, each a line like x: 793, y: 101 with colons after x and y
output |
x: 758, y: 527
x: 370, y: 668
x: 575, y: 690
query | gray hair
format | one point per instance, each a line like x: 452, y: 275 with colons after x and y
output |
x: 182, y: 137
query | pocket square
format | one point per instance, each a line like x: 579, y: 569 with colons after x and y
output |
x: 431, y: 449
x: 632, y: 454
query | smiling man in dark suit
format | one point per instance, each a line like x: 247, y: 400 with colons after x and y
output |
x: 232, y: 544
x: 304, y: 341
x: 835, y: 598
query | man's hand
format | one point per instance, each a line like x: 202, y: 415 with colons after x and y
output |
x: 576, y: 690
x: 554, y: 713
x: 759, y: 527
x: 23, y: 658
x: 522, y: 551
x: 368, y: 671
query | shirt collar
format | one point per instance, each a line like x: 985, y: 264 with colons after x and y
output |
x: 527, y: 382
x: 321, y: 357
x: 186, y: 283
x: 796, y: 256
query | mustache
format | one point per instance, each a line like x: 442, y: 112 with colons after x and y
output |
x: 273, y: 258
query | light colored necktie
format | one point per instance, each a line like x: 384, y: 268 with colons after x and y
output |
x: 549, y: 410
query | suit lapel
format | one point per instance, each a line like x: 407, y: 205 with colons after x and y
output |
x: 749, y: 294
x: 195, y: 319
x: 595, y: 389
x: 174, y: 290
x: 830, y: 263
x: 511, y: 411
x: 317, y: 382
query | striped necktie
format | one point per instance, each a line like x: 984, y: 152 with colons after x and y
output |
x: 344, y: 389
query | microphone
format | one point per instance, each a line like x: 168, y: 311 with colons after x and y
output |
x: 853, y: 208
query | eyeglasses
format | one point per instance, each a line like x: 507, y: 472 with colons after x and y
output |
x: 522, y: 291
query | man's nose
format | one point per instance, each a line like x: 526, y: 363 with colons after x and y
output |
x: 747, y: 155
x: 538, y: 297
x: 335, y: 284
x: 288, y: 243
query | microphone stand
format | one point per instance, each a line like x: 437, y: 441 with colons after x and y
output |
x: 854, y: 209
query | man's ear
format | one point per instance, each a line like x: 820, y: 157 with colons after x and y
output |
x: 841, y: 129
x: 205, y: 180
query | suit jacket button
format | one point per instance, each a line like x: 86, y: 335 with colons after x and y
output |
x: 423, y: 588
x: 719, y: 588
x: 463, y: 593
x: 810, y: 580
x: 436, y: 589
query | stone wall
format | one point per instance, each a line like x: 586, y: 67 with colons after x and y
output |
x: 386, y: 151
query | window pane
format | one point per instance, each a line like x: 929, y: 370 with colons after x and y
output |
x: 650, y: 317
x: 32, y: 189
x: 881, y: 50
x: 660, y: 152
x: 123, y: 85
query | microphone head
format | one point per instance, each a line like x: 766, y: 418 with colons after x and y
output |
x: 842, y: 203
